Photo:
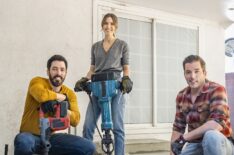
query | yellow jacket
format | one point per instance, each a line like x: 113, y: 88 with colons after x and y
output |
x: 39, y: 91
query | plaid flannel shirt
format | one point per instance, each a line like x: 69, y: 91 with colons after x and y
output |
x: 210, y: 104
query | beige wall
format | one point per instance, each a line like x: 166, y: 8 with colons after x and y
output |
x: 213, y: 52
x: 33, y: 30
x: 30, y: 32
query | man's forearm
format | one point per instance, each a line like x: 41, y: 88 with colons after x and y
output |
x: 60, y: 97
x: 199, y: 132
x: 175, y: 135
x: 40, y: 94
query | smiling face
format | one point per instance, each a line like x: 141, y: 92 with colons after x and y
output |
x: 109, y: 27
x: 57, y: 73
x: 195, y: 75
x: 109, y: 24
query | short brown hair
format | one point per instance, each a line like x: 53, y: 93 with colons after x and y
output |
x: 113, y: 17
x: 192, y: 58
x: 56, y: 58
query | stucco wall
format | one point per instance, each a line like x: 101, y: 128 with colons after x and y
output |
x: 30, y: 32
x: 212, y: 51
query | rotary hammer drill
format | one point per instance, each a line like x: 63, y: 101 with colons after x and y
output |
x: 59, y: 120
x: 104, y: 86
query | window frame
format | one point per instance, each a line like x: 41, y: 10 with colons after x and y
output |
x: 122, y: 9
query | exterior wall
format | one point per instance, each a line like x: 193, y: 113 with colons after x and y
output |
x: 212, y: 51
x: 32, y: 31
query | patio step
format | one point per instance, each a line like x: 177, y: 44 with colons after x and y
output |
x: 142, y: 147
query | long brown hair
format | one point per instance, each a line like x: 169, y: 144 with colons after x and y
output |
x: 113, y: 17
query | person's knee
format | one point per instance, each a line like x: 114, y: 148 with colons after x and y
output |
x: 22, y: 144
x: 21, y: 139
x: 213, y: 137
x: 212, y: 134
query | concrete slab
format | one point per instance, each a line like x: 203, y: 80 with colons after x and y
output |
x: 139, y: 146
x: 152, y: 153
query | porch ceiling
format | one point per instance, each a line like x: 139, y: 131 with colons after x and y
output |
x: 215, y: 10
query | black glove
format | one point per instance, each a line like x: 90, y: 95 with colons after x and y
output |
x: 126, y: 84
x: 81, y: 84
x: 177, y: 145
x: 64, y: 106
x: 66, y: 100
x: 48, y: 106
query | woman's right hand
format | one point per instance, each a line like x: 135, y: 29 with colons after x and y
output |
x: 80, y: 84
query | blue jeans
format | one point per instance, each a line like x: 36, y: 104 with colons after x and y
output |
x: 213, y: 143
x: 61, y: 144
x: 117, y: 111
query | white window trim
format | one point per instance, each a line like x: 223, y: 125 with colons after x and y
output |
x: 154, y: 76
x: 144, y: 14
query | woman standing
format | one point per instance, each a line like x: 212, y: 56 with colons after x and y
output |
x: 109, y: 55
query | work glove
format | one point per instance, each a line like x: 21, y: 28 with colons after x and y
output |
x: 64, y: 106
x: 177, y: 145
x: 66, y: 100
x: 81, y: 84
x: 126, y: 85
x: 48, y: 106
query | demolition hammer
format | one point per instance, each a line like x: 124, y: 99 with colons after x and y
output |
x: 104, y: 86
x: 59, y: 120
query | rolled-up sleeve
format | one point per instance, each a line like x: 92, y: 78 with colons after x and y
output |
x: 75, y: 112
x: 219, y: 110
x: 125, y: 54
x: 179, y: 124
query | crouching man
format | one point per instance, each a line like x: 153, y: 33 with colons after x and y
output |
x: 41, y: 92
x: 203, y: 107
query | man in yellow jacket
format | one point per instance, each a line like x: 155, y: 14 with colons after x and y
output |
x: 40, y: 92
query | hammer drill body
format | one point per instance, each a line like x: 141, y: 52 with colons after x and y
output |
x: 104, y: 86
x: 58, y: 121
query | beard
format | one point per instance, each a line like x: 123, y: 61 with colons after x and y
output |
x: 57, y: 80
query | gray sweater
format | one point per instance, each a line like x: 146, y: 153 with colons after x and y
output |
x: 113, y: 60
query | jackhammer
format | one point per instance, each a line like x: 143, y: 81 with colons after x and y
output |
x: 104, y: 86
x: 59, y: 120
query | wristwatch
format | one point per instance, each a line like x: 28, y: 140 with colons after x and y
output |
x: 181, y: 140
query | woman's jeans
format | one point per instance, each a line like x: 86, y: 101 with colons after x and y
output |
x: 213, y: 143
x: 61, y: 144
x: 117, y: 111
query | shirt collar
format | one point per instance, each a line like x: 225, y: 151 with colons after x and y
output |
x: 205, y: 88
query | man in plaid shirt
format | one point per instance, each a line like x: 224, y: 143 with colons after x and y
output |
x: 201, y: 107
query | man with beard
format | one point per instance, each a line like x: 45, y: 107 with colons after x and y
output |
x: 41, y: 93
x: 201, y: 107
